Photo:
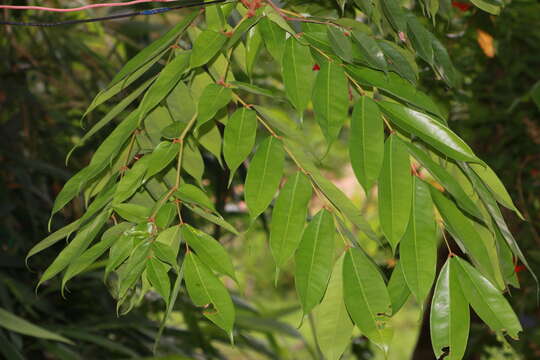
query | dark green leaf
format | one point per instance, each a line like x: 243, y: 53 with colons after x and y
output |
x: 213, y: 98
x: 239, y: 137
x: 297, y: 73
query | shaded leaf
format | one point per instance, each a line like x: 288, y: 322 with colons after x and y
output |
x: 398, y: 289
x: 19, y: 325
x: 213, y: 98
x: 157, y: 273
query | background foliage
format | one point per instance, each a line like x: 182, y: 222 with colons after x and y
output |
x: 46, y: 86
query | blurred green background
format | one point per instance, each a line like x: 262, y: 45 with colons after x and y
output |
x: 49, y: 76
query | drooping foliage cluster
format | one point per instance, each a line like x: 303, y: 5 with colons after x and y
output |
x: 353, y: 65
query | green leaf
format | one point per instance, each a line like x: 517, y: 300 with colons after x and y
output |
x: 334, y: 327
x: 132, y: 180
x: 132, y: 212
x: 264, y: 175
x: 164, y: 153
x: 400, y: 60
x: 165, y: 253
x: 331, y: 99
x: 134, y: 268
x: 421, y: 39
x: 87, y: 258
x: 195, y: 195
x: 19, y: 325
x: 495, y: 213
x: 180, y: 103
x: 289, y: 218
x: 297, y: 73
x: 157, y: 273
x: 155, y: 48
x: 239, y: 138
x: 366, y: 144
x: 76, y: 247
x: 314, y: 258
x: 366, y: 6
x: 101, y: 159
x: 394, y: 14
x: 488, y: 302
x: 209, y: 250
x: 213, y: 98
x: 254, y: 43
x: 166, y: 81
x: 418, y: 247
x: 443, y: 64
x: 341, y: 201
x: 464, y: 230
x: 54, y: 238
x: 449, y: 317
x: 165, y: 215
x: 398, y: 289
x: 277, y: 18
x: 113, y: 113
x: 487, y: 6
x: 395, y: 190
x: 370, y: 50
x: 430, y: 130
x: 274, y: 38
x: 209, y: 136
x: 496, y: 187
x: 106, y: 94
x: 367, y: 298
x: 218, y: 220
x: 207, y: 291
x: 340, y: 43
x: 395, y: 86
x: 443, y: 177
x: 192, y: 160
x: 169, y: 237
x: 206, y: 46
